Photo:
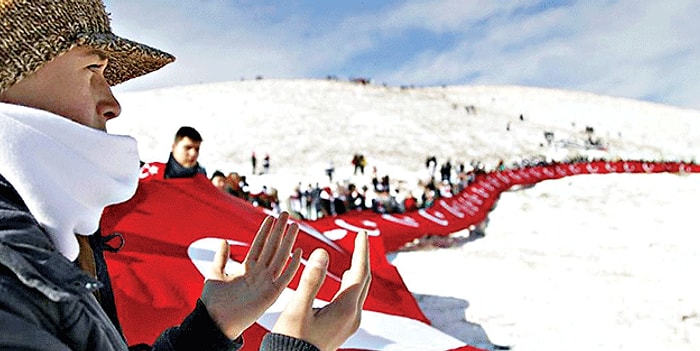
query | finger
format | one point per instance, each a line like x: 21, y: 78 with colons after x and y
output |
x: 273, y: 239
x: 310, y: 282
x: 286, y: 276
x: 368, y: 271
x: 358, y: 273
x: 359, y: 269
x: 220, y: 259
x: 365, y: 290
x: 279, y: 261
x: 259, y: 241
x: 360, y: 257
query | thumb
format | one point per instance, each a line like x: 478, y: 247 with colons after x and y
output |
x: 311, y: 280
x: 220, y: 259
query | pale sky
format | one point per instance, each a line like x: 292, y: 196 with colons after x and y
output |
x: 646, y: 50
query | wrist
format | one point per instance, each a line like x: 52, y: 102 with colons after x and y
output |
x: 200, y: 325
x: 230, y: 332
x: 275, y: 341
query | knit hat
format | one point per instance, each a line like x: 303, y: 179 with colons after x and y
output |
x: 34, y: 32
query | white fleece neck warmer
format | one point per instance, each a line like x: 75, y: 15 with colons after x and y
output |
x: 65, y: 172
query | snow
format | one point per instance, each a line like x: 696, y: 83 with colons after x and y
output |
x: 596, y: 261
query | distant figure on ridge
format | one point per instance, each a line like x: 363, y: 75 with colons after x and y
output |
x: 266, y: 164
x: 253, y: 161
x: 329, y: 171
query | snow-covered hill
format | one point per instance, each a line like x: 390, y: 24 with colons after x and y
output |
x: 304, y: 124
x: 587, y: 262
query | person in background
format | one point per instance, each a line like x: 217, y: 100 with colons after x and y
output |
x: 253, y: 162
x: 329, y: 171
x: 266, y: 164
x: 59, y: 168
x: 182, y: 162
x: 218, y: 179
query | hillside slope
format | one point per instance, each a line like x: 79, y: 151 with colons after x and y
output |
x: 304, y: 124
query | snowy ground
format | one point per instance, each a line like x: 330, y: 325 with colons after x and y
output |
x: 606, y: 262
x: 590, y: 262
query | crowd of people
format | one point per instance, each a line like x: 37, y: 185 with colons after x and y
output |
x: 373, y: 192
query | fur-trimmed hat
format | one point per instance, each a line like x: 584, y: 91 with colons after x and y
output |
x: 34, y: 32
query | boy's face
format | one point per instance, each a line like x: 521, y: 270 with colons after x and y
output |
x: 186, y: 152
x: 72, y: 85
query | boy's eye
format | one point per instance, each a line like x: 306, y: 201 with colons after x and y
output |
x: 96, y: 67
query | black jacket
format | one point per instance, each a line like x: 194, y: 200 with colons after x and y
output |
x: 48, y: 303
x: 175, y: 170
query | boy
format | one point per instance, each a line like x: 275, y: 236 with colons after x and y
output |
x: 182, y: 162
x: 59, y: 169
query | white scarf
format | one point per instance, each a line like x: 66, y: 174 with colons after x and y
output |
x: 65, y: 172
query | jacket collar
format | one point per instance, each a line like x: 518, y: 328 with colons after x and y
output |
x: 27, y: 251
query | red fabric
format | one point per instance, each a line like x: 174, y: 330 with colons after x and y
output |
x: 473, y: 204
x: 156, y: 282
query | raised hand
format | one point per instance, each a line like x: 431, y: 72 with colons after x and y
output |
x: 327, y: 328
x: 237, y: 300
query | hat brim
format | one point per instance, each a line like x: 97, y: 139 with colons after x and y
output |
x: 127, y: 59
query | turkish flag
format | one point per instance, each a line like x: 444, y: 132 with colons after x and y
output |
x: 172, y: 228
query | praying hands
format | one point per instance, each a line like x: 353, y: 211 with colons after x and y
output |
x: 235, y: 301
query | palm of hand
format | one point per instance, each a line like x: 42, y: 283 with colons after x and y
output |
x: 235, y: 301
x: 243, y: 297
x: 328, y: 327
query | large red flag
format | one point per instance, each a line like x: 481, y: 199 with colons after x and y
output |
x: 172, y: 229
